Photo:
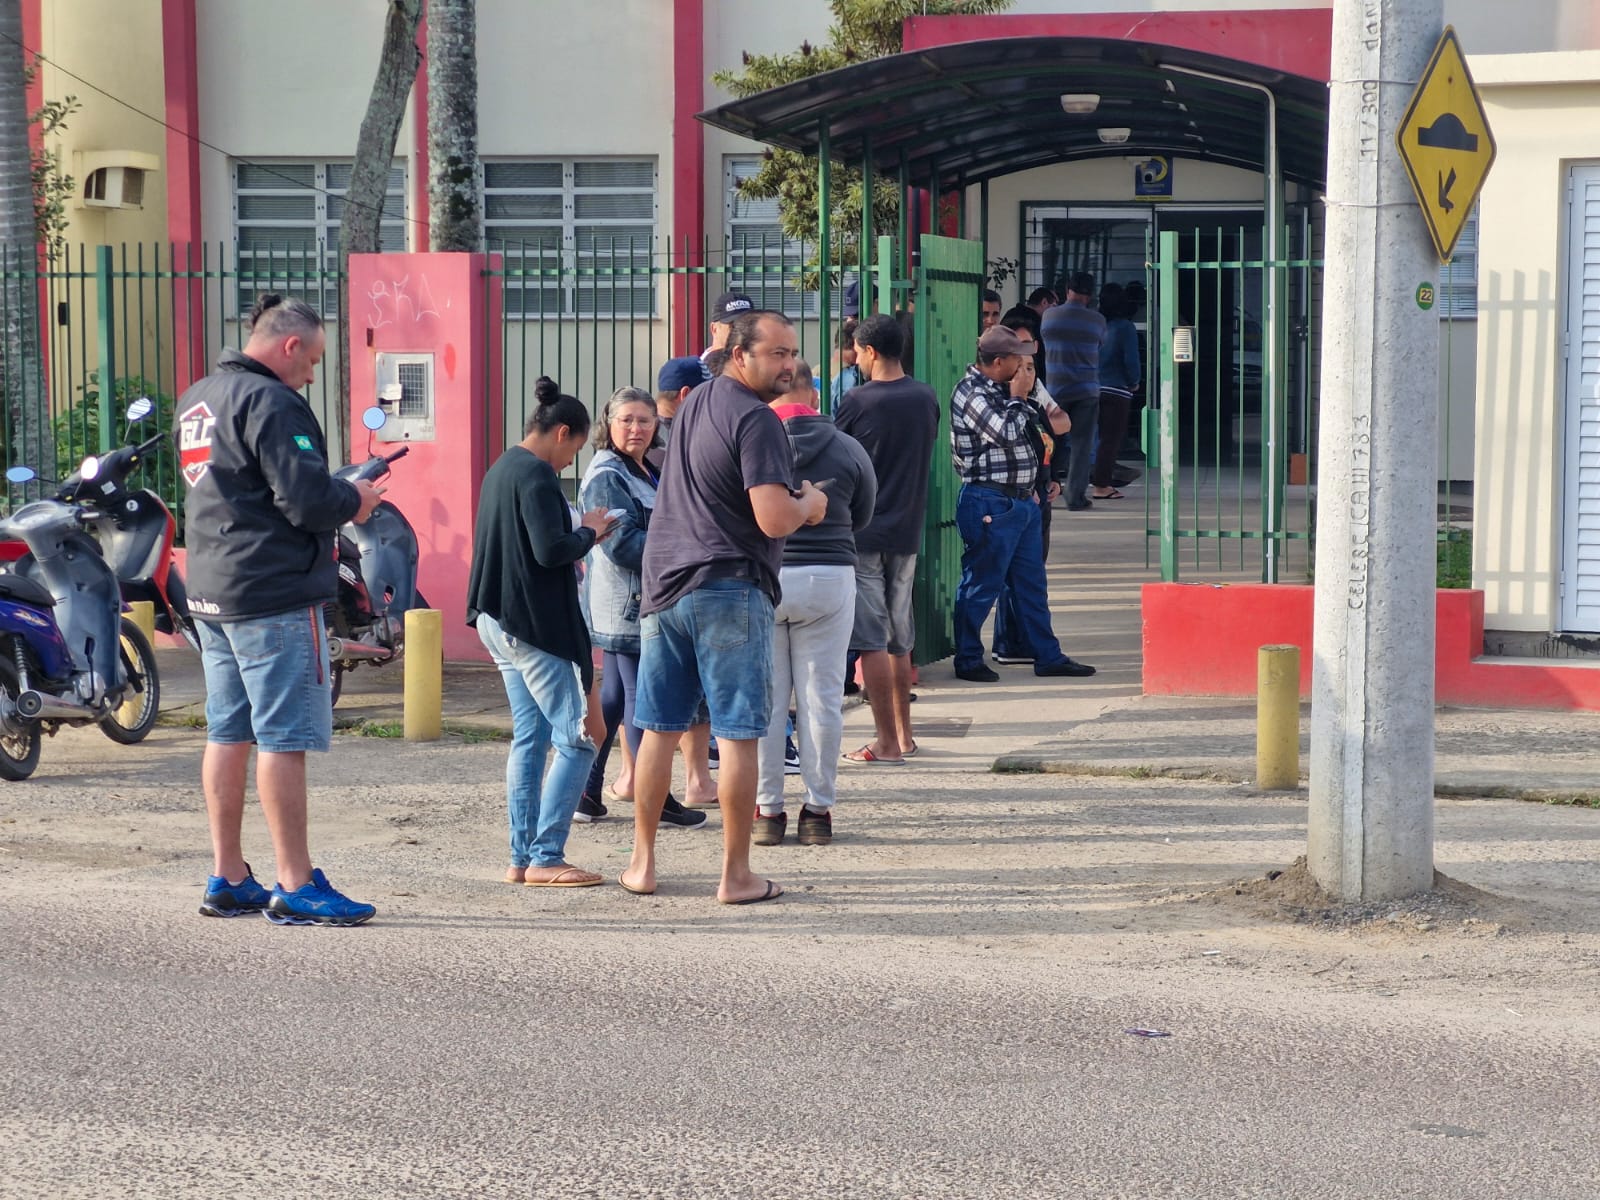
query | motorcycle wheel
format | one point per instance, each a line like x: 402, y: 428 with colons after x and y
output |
x: 19, y: 751
x: 133, y: 721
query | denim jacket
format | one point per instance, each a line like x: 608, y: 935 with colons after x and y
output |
x: 613, y: 584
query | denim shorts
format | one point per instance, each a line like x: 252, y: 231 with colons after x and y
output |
x: 714, y: 643
x: 267, y: 681
x: 884, y: 587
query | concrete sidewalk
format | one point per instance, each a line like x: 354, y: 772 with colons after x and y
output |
x: 1101, y: 725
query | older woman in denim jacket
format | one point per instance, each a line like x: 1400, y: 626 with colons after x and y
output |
x: 621, y: 479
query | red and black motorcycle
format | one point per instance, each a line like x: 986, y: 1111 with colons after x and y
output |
x: 138, y: 534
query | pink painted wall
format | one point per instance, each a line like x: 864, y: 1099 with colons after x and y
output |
x: 445, y: 305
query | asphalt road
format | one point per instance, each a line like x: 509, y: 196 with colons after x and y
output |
x: 936, y: 1009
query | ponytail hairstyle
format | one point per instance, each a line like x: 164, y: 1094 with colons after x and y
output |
x: 555, y: 408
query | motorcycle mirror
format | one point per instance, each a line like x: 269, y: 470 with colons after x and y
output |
x: 374, y: 418
x: 21, y: 474
x: 90, y: 468
x: 140, y: 409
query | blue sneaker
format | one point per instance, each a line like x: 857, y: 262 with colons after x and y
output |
x: 224, y: 899
x: 317, y: 903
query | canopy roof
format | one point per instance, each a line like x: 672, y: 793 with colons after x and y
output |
x: 976, y: 110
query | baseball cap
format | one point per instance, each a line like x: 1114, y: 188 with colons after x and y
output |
x: 729, y: 305
x: 852, y: 298
x: 1000, y: 340
x: 677, y: 373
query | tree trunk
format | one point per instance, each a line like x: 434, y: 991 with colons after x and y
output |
x: 360, y: 228
x: 453, y: 125
x: 21, y: 369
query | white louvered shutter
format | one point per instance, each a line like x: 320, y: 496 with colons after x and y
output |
x: 1580, y: 567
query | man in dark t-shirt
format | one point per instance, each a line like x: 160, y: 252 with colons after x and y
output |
x: 896, y: 420
x: 710, y: 583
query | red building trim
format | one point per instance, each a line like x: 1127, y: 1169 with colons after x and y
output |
x: 33, y: 43
x: 1298, y: 41
x: 181, y: 72
x: 688, y: 167
x: 419, y: 143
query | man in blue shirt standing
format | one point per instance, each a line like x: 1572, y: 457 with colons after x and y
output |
x: 1073, y: 333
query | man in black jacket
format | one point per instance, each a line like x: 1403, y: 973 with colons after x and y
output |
x: 261, y: 521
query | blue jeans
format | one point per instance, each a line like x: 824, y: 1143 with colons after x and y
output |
x: 267, y: 681
x: 713, y: 644
x: 1085, y: 414
x: 1004, y: 551
x: 547, y: 709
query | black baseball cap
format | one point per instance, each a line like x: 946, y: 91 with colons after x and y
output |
x: 729, y: 305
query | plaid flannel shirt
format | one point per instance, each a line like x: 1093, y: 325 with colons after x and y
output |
x: 989, y: 433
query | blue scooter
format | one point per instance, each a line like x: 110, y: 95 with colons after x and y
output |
x: 67, y: 654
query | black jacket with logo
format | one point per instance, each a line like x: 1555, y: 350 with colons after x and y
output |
x: 262, y: 509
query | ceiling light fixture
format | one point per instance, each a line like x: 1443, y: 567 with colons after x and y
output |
x: 1079, y: 103
x: 1115, y: 137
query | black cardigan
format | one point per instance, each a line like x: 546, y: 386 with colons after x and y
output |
x: 523, y: 551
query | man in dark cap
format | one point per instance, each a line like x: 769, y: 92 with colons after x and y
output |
x: 728, y: 306
x: 676, y: 379
x: 998, y: 452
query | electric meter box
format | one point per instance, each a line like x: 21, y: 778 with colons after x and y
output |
x: 405, y: 393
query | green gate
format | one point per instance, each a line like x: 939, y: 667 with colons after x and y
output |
x: 948, y: 285
x: 1231, y: 435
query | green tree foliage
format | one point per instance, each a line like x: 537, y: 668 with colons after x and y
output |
x: 52, y: 186
x: 861, y: 30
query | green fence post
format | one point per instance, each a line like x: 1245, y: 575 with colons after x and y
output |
x: 105, y: 319
x: 884, y: 266
x: 1167, y: 281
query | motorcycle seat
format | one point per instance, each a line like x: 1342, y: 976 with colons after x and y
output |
x: 25, y: 591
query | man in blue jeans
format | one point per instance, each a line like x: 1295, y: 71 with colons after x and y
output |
x: 998, y: 455
x: 260, y: 525
x: 711, y: 568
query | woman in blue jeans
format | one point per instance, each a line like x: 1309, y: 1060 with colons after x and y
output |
x: 522, y: 595
x: 621, y: 479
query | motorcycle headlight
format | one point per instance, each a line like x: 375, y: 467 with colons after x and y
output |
x: 90, y: 468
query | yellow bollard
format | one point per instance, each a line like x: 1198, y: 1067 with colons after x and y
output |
x: 424, y: 675
x: 143, y: 614
x: 1278, y: 718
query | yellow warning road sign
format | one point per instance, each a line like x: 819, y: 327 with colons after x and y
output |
x: 1445, y: 143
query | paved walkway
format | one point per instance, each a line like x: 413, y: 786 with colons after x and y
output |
x: 1098, y: 725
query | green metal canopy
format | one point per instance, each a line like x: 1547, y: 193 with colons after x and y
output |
x: 968, y: 112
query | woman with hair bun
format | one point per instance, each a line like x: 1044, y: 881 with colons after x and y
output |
x: 522, y: 596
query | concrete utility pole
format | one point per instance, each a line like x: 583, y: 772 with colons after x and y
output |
x: 1371, y: 817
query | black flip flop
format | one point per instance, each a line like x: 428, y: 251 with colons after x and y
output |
x: 772, y: 893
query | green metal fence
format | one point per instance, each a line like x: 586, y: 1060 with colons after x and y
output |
x: 948, y: 287
x: 609, y: 314
x: 119, y: 322
x: 1232, y: 436
x: 1233, y: 425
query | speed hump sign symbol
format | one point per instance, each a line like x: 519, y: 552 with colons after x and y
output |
x: 1445, y: 143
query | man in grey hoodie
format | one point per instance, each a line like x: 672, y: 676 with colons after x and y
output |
x: 811, y: 625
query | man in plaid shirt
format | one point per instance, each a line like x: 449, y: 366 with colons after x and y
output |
x: 998, y: 453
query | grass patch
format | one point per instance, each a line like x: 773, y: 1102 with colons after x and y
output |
x: 1455, y: 561
x: 471, y: 735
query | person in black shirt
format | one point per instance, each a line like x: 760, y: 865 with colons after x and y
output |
x: 522, y: 596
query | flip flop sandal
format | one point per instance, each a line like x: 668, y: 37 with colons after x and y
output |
x: 911, y: 753
x: 633, y: 891
x: 865, y: 755
x: 570, y: 877
x: 1113, y: 494
x: 772, y: 893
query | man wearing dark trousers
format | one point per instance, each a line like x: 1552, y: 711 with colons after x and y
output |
x: 1073, y: 333
x: 995, y: 445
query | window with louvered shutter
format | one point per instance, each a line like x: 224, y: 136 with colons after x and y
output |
x: 286, y: 228
x: 575, y: 234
